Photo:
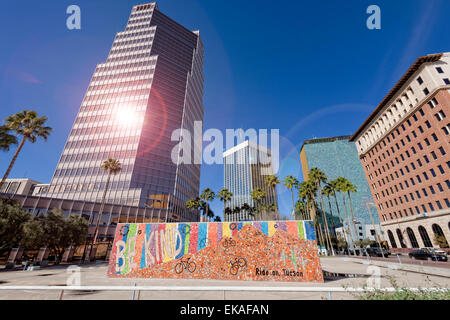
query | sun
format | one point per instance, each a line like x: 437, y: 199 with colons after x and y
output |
x: 127, y: 116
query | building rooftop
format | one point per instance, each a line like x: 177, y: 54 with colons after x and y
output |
x: 417, y: 64
x: 322, y: 140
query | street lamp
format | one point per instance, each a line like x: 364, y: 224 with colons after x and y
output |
x: 376, y: 233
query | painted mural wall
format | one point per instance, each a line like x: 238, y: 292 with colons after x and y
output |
x: 271, y: 251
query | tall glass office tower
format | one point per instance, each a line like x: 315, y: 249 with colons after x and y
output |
x: 245, y: 170
x: 150, y: 85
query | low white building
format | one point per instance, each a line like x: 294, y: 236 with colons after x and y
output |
x: 19, y: 186
x: 364, y: 231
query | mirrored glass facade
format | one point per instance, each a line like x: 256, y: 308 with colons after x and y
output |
x: 150, y: 85
x: 245, y: 169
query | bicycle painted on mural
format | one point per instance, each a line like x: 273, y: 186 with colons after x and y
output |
x: 185, y: 265
x: 237, y: 265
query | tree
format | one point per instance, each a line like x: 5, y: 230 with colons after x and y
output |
x: 327, y: 191
x: 341, y: 243
x: 112, y: 167
x: 333, y: 185
x: 12, y: 221
x: 341, y: 186
x: 247, y: 209
x: 227, y: 212
x: 30, y: 127
x: 440, y: 240
x: 224, y: 195
x: 300, y: 207
x: 257, y: 195
x: 6, y: 139
x: 319, y: 177
x: 291, y: 182
x: 236, y: 211
x: 307, y: 191
x: 217, y: 219
x: 207, y: 195
x: 54, y: 232
x: 272, y: 181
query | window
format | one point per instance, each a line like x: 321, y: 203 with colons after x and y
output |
x: 441, y: 149
x: 426, y: 159
x: 420, y: 129
x: 412, y: 237
x: 426, y: 91
x: 433, y: 173
x: 433, y: 154
x: 427, y: 141
x: 419, y: 80
x: 446, y: 81
x: 439, y: 205
x: 441, y: 169
x: 432, y: 190
x: 425, y: 238
x: 421, y: 112
x: 439, y: 70
x: 440, y: 187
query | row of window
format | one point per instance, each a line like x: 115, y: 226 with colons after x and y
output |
x: 432, y: 103
x: 416, y: 210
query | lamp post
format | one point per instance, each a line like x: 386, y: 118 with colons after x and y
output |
x: 376, y: 233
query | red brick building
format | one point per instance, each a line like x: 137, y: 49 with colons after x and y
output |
x: 404, y: 149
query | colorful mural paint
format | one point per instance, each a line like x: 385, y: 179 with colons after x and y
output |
x: 263, y: 250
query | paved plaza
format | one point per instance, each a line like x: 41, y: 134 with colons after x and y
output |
x: 339, y: 273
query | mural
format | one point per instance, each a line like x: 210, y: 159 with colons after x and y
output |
x: 264, y: 250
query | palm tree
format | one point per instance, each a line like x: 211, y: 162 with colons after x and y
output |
x: 319, y: 177
x: 236, y: 211
x: 327, y: 191
x: 257, y: 194
x: 272, y: 181
x: 6, y: 139
x: 224, y: 195
x: 291, y: 182
x: 300, y: 206
x: 30, y: 127
x: 247, y: 209
x: 192, y: 203
x: 207, y: 195
x: 113, y: 167
x: 227, y: 212
x: 342, y: 186
x: 349, y: 187
x: 307, y: 190
x: 333, y: 184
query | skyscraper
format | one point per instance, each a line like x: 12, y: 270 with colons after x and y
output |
x: 150, y: 85
x: 245, y: 169
x: 338, y: 157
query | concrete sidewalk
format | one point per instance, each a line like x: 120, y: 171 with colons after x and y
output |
x: 356, y: 275
x: 435, y: 271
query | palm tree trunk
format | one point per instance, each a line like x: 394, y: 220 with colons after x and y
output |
x: 324, y: 218
x: 343, y: 227
x: 101, y: 208
x: 337, y: 207
x: 332, y: 217
x: 353, y: 218
x: 293, y: 204
x: 12, y: 161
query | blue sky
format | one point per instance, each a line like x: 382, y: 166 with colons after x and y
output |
x: 309, y: 68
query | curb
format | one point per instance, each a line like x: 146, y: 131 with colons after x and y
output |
x: 442, y: 272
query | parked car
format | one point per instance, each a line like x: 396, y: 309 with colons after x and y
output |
x: 376, y: 252
x: 435, y: 251
x: 422, y: 254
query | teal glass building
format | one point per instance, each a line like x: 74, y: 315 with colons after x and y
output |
x: 338, y: 157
